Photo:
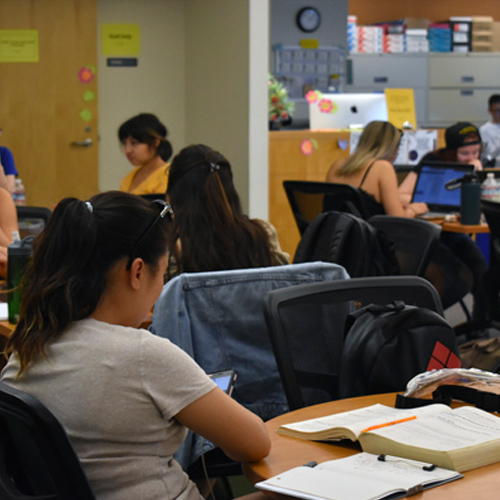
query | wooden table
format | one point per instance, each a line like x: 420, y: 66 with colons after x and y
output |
x: 6, y: 328
x: 456, y: 227
x: 288, y: 452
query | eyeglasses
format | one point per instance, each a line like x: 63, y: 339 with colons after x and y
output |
x: 166, y: 209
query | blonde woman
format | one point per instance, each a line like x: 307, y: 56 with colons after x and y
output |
x: 370, y: 169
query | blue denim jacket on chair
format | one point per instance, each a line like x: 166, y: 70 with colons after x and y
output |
x: 218, y: 319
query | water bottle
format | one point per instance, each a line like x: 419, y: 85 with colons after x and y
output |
x: 19, y: 193
x: 18, y: 255
x: 490, y: 188
x: 470, y: 200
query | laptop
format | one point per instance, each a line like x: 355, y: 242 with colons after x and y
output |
x: 430, y: 187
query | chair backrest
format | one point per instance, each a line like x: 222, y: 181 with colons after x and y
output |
x: 308, y: 199
x: 32, y: 220
x: 37, y: 459
x: 306, y: 326
x: 491, y: 211
x: 414, y: 241
x: 350, y: 241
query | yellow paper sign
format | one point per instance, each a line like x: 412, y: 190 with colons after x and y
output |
x: 309, y: 43
x: 120, y: 39
x: 19, y: 46
x: 401, y: 107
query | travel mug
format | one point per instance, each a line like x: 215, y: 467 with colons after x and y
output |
x: 18, y: 255
x: 470, y: 201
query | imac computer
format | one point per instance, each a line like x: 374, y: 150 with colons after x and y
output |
x: 342, y: 111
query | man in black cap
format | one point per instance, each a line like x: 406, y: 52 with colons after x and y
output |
x: 490, y: 131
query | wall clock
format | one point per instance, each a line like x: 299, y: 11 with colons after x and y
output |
x: 308, y: 19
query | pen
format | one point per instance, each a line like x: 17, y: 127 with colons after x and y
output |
x: 387, y: 424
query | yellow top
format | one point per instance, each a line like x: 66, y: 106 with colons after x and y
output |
x: 155, y: 183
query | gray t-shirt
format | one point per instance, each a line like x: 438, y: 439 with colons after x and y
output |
x: 116, y: 390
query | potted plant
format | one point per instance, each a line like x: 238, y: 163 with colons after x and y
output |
x: 280, y: 106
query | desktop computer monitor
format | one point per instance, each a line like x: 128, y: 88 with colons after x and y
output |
x: 341, y: 111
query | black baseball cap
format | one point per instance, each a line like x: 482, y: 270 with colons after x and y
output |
x: 456, y: 134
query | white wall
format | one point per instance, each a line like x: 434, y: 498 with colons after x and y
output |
x: 156, y: 85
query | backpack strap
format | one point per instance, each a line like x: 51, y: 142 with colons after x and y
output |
x: 340, y: 234
x: 487, y: 401
x: 397, y: 305
x: 308, y: 240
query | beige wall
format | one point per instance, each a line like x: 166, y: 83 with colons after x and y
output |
x: 156, y: 85
x: 203, y: 70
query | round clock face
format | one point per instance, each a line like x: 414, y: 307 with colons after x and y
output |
x: 308, y: 19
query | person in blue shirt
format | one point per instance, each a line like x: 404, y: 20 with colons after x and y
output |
x: 8, y: 173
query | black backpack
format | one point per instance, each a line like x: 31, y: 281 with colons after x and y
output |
x: 387, y: 345
x: 352, y: 242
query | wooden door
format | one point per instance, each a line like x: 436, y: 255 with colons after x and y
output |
x: 46, y: 106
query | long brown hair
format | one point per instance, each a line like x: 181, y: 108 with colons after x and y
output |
x: 213, y: 231
x: 379, y: 141
x: 71, y: 259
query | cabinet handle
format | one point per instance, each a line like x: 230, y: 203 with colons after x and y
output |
x: 467, y: 79
x: 349, y: 72
x: 467, y: 92
x: 380, y: 79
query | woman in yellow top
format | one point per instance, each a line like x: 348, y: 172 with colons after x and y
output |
x: 145, y: 144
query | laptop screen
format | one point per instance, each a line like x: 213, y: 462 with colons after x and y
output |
x: 430, y: 185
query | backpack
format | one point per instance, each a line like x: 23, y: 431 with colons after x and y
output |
x: 344, y: 239
x: 387, y: 345
x: 483, y: 354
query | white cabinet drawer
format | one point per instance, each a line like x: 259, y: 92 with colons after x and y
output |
x: 378, y: 71
x: 463, y: 70
x: 447, y: 106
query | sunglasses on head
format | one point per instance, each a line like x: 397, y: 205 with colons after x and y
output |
x: 166, y: 209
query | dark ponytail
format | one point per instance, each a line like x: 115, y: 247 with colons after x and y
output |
x: 66, y: 277
x: 214, y: 233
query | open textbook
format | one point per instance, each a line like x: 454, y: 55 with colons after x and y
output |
x: 359, y: 477
x: 461, y: 439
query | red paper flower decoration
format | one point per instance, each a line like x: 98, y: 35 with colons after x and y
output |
x: 313, y: 96
x: 86, y: 75
x: 308, y: 146
x: 327, y: 106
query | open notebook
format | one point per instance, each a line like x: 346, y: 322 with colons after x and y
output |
x: 430, y: 187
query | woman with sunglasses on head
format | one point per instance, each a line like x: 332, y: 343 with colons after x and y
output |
x: 145, y: 144
x: 211, y: 232
x: 370, y: 169
x: 124, y: 395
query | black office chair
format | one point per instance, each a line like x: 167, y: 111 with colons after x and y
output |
x: 37, y: 459
x: 32, y: 220
x: 414, y: 241
x: 306, y: 327
x: 308, y: 199
x: 491, y: 211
